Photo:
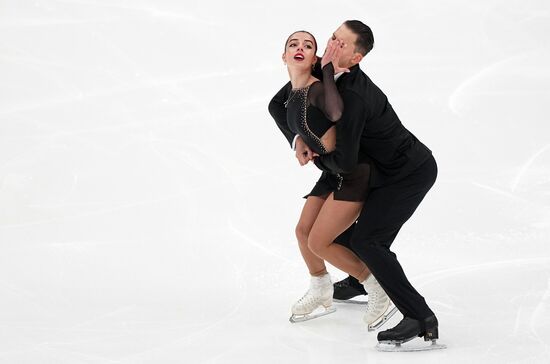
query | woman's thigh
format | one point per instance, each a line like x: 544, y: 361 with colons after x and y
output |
x: 333, y: 219
x: 309, y: 213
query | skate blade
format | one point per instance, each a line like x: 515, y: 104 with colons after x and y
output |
x: 396, y: 346
x: 382, y: 320
x: 353, y: 302
x: 310, y: 316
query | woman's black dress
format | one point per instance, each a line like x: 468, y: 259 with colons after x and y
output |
x: 308, y: 114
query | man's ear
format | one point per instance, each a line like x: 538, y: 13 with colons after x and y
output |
x: 356, y: 58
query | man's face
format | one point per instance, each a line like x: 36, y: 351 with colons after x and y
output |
x: 349, y: 57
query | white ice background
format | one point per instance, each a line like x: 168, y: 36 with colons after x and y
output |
x: 148, y: 200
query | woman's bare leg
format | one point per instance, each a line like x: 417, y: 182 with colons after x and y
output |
x: 315, y: 265
x: 334, y: 218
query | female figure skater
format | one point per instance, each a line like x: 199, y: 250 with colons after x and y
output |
x: 310, y: 112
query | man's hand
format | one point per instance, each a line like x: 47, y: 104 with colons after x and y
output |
x: 303, y: 152
x: 332, y: 54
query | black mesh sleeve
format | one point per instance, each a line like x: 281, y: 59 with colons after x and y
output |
x: 325, y: 95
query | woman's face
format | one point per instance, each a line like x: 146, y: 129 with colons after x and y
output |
x: 300, y: 51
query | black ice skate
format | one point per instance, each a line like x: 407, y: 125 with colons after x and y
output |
x: 405, y: 331
x: 348, y: 288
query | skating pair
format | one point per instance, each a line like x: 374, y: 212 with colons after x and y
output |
x: 318, y: 302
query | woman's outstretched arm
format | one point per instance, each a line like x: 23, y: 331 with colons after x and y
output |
x: 278, y: 112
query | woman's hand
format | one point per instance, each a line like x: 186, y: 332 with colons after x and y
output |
x: 332, y: 54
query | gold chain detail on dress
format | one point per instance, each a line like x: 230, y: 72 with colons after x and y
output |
x: 304, y: 121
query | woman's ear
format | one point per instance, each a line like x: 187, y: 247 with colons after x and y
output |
x: 283, y: 57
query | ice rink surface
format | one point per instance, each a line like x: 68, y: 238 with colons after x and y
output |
x: 148, y: 200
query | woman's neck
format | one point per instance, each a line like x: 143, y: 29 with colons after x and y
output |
x: 299, y: 79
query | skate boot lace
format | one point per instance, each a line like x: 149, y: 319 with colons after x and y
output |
x: 372, y: 302
x: 343, y: 283
x: 377, y: 303
x: 307, y: 298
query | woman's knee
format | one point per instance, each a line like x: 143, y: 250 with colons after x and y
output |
x: 302, y: 233
x: 317, y: 244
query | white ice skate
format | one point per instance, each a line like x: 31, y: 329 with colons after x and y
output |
x: 379, y: 306
x: 316, y: 302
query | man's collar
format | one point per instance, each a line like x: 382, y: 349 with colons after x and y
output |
x: 352, y: 69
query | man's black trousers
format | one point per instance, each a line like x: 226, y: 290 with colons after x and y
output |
x: 386, y: 209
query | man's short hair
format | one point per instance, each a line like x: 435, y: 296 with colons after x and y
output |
x: 365, y: 38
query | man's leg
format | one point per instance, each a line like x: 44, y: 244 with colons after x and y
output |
x: 385, y: 211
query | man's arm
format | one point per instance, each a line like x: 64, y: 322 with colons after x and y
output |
x: 278, y: 112
x: 348, y: 137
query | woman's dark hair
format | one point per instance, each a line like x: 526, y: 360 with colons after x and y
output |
x: 303, y: 31
x: 365, y: 38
